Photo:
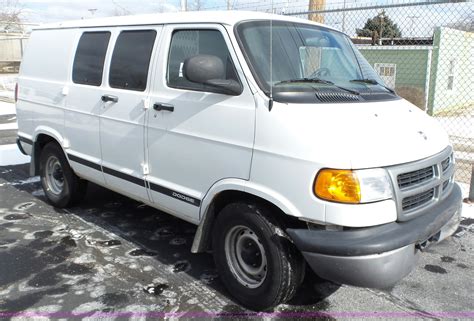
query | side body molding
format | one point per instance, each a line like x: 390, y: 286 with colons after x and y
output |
x: 207, y: 215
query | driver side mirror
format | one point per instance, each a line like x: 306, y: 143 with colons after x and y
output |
x: 209, y: 70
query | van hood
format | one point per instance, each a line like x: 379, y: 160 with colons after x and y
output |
x: 351, y: 135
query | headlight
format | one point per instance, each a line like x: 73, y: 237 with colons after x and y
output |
x: 347, y: 186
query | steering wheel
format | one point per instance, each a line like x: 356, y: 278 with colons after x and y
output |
x: 320, y: 72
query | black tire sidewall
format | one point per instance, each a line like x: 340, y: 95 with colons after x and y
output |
x: 267, y: 294
x: 65, y: 197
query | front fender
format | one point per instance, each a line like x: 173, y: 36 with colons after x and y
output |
x: 207, y: 215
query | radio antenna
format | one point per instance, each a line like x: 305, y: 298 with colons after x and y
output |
x: 270, y: 102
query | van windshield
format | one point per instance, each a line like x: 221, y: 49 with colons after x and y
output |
x: 305, y: 55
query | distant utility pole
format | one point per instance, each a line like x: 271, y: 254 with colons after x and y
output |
x: 470, y: 198
x: 344, y: 17
x: 316, y: 5
x: 184, y: 5
x: 412, y: 24
x: 229, y: 4
x: 381, y: 16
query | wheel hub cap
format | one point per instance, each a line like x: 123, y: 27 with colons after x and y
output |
x: 246, y: 256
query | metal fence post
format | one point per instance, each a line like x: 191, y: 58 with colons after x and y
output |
x: 470, y: 198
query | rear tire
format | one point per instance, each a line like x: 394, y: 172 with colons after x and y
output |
x: 61, y: 186
x: 258, y: 265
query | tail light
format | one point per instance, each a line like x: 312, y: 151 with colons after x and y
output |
x: 16, y: 92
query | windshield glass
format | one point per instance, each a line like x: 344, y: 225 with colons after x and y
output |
x: 302, y: 52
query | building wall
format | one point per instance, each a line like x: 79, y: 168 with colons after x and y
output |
x: 411, y: 68
x: 410, y: 64
x: 453, y: 67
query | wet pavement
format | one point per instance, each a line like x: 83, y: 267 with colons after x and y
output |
x: 112, y: 257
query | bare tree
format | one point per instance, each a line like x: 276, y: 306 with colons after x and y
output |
x: 10, y: 16
x: 464, y: 24
x: 120, y: 10
x: 197, y: 5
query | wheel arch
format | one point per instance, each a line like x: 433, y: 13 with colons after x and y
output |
x: 42, y: 136
x: 234, y: 190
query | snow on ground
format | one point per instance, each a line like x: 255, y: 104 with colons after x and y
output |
x: 9, y: 126
x: 467, y: 209
x: 7, y: 108
x: 459, y: 126
x: 11, y: 155
x: 8, y: 81
x: 7, y: 86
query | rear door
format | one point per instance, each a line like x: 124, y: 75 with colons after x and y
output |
x: 122, y: 117
x: 198, y: 136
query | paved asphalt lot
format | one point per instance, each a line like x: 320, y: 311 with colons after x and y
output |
x: 112, y: 257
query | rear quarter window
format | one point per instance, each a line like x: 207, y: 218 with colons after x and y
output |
x: 89, y: 60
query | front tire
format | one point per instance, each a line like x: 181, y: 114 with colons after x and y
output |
x: 259, y: 266
x: 61, y: 186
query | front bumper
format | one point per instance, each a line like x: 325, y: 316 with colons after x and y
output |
x: 377, y: 257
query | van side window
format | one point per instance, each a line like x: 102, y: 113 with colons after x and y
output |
x: 189, y: 43
x: 131, y: 59
x: 88, y: 64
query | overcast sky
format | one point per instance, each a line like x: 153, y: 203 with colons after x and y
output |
x: 413, y: 21
x: 58, y: 10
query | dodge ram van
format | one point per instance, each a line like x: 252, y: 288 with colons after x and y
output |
x: 272, y: 134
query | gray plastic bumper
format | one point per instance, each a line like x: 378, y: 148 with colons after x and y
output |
x: 377, y: 257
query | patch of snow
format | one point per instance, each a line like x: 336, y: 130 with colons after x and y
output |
x: 84, y: 259
x: 193, y: 301
x: 30, y: 180
x: 97, y: 291
x: 7, y: 108
x: 49, y: 308
x: 24, y: 206
x: 88, y: 307
x: 38, y: 192
x: 468, y: 210
x: 9, y: 126
x: 36, y: 318
x: 11, y: 155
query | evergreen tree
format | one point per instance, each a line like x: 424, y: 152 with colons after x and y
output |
x: 380, y: 22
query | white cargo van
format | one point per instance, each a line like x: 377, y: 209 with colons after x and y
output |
x: 272, y: 134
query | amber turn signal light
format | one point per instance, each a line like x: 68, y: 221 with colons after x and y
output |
x: 337, y: 185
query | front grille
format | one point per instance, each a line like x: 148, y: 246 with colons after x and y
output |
x: 445, y: 164
x: 412, y: 202
x: 419, y: 185
x: 406, y: 180
x: 335, y: 97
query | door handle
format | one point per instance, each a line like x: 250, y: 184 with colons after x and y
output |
x: 160, y: 106
x: 106, y: 98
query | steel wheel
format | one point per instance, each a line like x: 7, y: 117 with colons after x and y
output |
x: 246, y: 256
x: 54, y: 175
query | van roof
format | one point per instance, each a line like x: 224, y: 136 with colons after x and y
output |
x: 222, y: 17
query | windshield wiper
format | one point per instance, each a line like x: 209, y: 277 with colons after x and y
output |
x: 373, y: 82
x: 317, y: 81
